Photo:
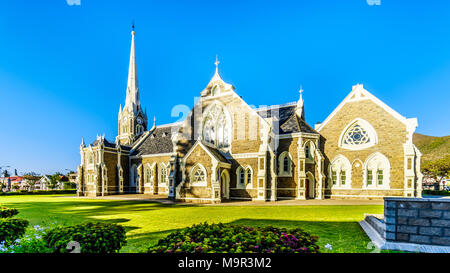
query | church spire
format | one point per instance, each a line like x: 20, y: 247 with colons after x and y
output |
x: 300, y: 105
x: 132, y: 101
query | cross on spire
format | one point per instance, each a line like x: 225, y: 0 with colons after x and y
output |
x: 301, y: 90
x: 217, y: 62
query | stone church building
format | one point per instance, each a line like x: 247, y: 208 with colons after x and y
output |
x: 225, y: 149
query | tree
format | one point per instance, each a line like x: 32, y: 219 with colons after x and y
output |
x: 54, y: 181
x: 15, y: 172
x: 31, y: 178
x: 6, y: 173
x: 438, y: 169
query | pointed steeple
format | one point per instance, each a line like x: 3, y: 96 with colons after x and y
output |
x: 82, y: 145
x: 300, y: 105
x: 216, y: 74
x: 132, y: 101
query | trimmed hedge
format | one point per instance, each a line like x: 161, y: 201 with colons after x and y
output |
x: 433, y: 192
x: 12, y: 229
x: 40, y: 192
x: 222, y: 238
x: 92, y: 237
x: 8, y: 213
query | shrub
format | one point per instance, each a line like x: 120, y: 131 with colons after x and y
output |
x: 221, y: 238
x: 92, y: 237
x: 12, y: 229
x: 40, y: 192
x: 433, y: 192
x: 8, y: 213
x: 32, y: 242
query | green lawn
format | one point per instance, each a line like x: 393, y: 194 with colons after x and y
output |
x: 147, y: 222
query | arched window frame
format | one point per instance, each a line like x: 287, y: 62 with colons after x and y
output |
x: 282, y: 164
x: 367, y: 127
x: 339, y: 168
x: 240, y: 178
x: 248, y: 180
x: 376, y: 163
x: 198, y: 167
x: 90, y: 159
x: 309, y: 151
x: 216, y: 126
x: 148, y: 173
x: 162, y: 177
x: 139, y: 129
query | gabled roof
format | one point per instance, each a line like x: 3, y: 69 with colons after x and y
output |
x: 212, y: 151
x: 358, y: 93
x: 216, y: 153
x: 157, y: 141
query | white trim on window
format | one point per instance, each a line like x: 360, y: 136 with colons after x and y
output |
x: 198, y: 176
x: 376, y: 169
x: 357, y: 135
x: 162, y: 175
x: 340, y: 173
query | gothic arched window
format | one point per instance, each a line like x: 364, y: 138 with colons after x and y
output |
x: 377, y: 171
x: 249, y: 174
x: 162, y: 174
x: 340, y: 172
x: 148, y: 173
x: 285, y: 164
x: 139, y: 129
x: 198, y: 175
x: 216, y: 126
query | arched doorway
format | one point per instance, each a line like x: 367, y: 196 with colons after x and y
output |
x: 310, y: 186
x: 225, y: 184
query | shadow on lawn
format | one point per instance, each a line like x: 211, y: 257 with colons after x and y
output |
x: 48, y: 213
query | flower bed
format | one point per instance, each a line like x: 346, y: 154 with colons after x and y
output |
x: 12, y: 229
x: 223, y: 238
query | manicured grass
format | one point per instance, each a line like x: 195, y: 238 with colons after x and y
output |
x: 147, y: 222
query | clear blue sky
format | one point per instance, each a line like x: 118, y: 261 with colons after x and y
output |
x: 63, y: 69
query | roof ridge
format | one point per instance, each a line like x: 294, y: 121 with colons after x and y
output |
x: 169, y: 124
x: 276, y: 106
x: 308, y: 125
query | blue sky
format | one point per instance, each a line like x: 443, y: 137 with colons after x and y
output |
x: 63, y: 68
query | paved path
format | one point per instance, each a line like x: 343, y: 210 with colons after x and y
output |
x: 164, y: 200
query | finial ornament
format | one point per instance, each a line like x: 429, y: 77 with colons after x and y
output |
x: 154, y: 121
x: 217, y: 62
x: 301, y: 90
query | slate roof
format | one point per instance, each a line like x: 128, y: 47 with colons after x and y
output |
x: 289, y: 122
x: 157, y: 141
x: 109, y: 144
x: 218, y: 154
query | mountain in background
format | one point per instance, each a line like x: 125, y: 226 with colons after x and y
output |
x: 432, y: 147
